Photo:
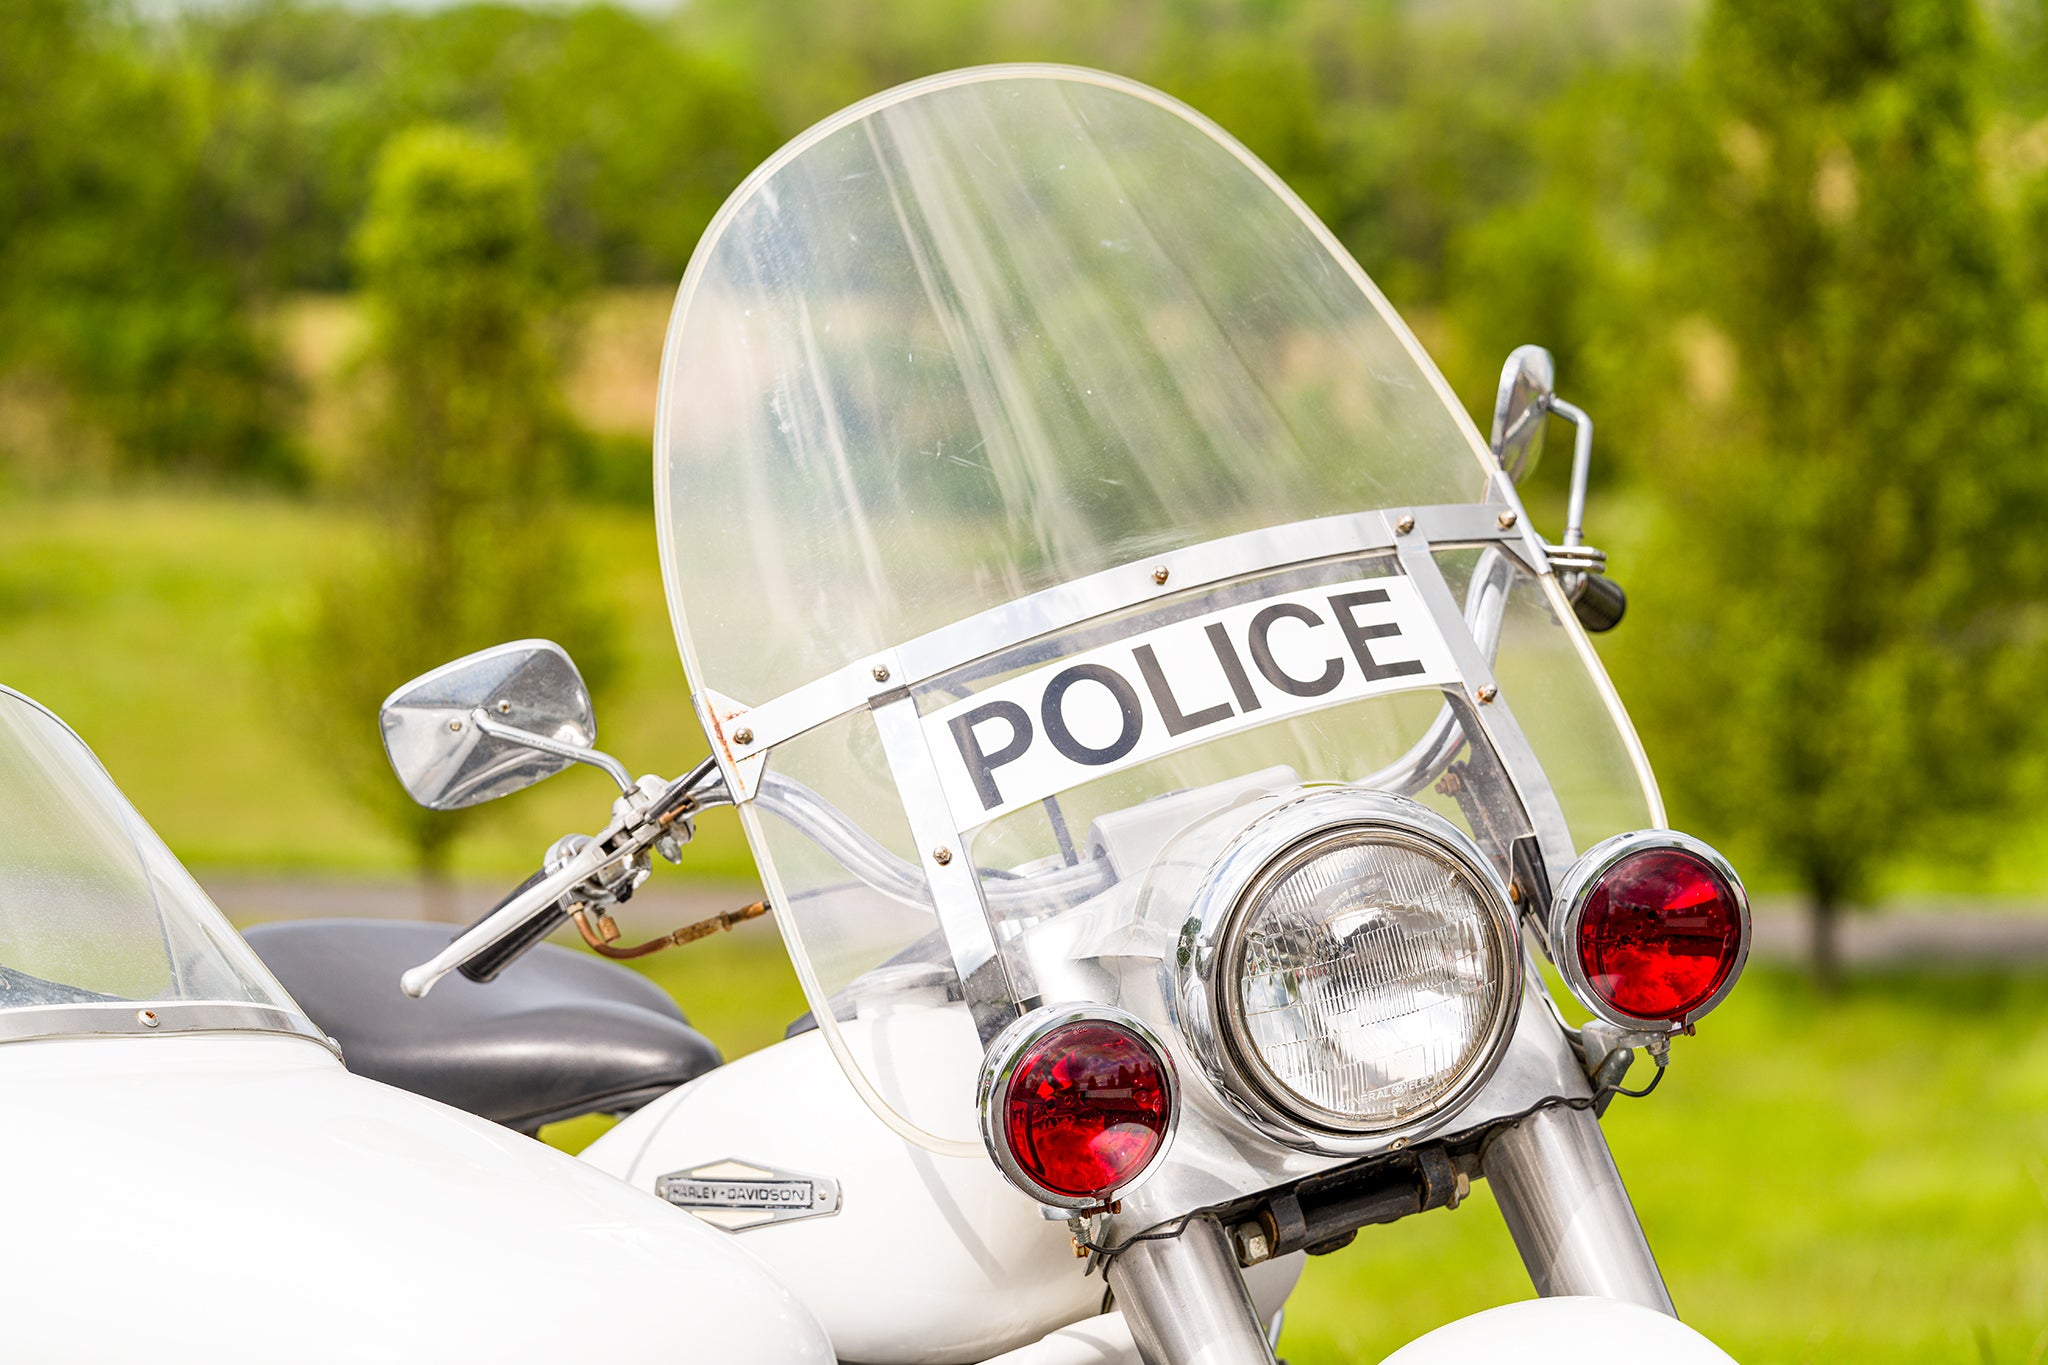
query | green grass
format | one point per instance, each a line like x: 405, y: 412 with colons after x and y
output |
x: 138, y: 620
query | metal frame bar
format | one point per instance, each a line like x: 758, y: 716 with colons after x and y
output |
x: 853, y: 686
x: 133, y: 1019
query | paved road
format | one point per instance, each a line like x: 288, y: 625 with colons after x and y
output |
x: 1958, y: 934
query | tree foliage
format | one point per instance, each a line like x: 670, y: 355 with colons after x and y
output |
x: 465, y: 464
x: 120, y: 282
x: 1851, y: 594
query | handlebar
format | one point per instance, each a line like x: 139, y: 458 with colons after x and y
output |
x: 486, y: 965
x: 516, y: 914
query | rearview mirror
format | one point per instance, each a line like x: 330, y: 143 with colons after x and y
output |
x: 490, y: 724
x: 1527, y: 384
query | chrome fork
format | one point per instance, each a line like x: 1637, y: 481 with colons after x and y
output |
x: 1186, y: 1301
x: 1565, y: 1206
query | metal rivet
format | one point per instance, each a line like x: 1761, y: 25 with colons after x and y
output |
x: 743, y: 736
x: 1397, y: 1144
x: 942, y: 856
x: 455, y: 727
x: 881, y: 673
x: 1404, y: 525
x: 1488, y: 693
x: 504, y: 708
x: 1159, y: 575
x: 1506, y: 520
x: 147, y: 1018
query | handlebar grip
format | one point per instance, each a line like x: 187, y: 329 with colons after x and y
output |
x: 1599, y: 603
x: 486, y: 965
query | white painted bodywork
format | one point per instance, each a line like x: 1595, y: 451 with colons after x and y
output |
x: 932, y: 1260
x: 242, y: 1198
x: 1563, y: 1331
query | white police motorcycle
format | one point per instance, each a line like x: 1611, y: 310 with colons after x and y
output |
x: 1165, y: 741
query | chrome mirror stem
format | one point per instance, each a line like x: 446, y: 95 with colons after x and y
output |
x: 527, y: 739
x: 1582, y: 468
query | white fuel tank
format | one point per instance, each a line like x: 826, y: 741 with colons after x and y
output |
x: 928, y: 1259
x: 237, y: 1198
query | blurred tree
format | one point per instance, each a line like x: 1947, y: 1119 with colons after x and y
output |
x: 635, y: 137
x: 465, y: 467
x: 1854, y: 628
x: 117, y: 280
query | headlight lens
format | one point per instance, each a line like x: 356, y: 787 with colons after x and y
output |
x: 1368, y: 978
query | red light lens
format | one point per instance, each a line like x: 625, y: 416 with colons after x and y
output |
x: 1659, y: 934
x: 1086, y: 1109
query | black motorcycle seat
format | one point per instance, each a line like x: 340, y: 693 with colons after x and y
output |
x: 558, y: 1034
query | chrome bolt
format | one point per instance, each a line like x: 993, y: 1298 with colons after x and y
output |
x: 942, y: 856
x: 1159, y: 575
x: 1506, y: 520
x: 1251, y: 1244
x: 1404, y: 525
x: 1488, y: 693
x: 455, y: 727
x: 881, y: 673
x: 743, y: 736
x: 147, y: 1018
x: 504, y: 708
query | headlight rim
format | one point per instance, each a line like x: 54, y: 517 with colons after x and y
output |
x: 1204, y: 977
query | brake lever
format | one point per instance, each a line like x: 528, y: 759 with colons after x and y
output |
x: 635, y: 827
x: 537, y: 899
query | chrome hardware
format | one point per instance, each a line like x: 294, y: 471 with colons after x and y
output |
x: 1565, y: 1206
x: 1009, y: 1049
x: 1199, y: 983
x: 450, y: 754
x: 737, y: 1195
x: 1519, y: 407
x: 1185, y: 1299
x: 1568, y: 906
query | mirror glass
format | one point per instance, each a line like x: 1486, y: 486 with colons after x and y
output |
x: 442, y: 756
x: 1520, y: 409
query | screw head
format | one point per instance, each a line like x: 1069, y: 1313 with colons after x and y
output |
x: 147, y: 1018
x: 743, y: 736
x: 1506, y: 520
x: 881, y: 673
x: 455, y: 727
x: 1404, y: 525
x: 504, y: 708
x: 1159, y: 575
x: 1488, y: 693
x: 942, y: 856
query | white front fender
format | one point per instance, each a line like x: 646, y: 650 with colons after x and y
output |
x: 1563, y: 1331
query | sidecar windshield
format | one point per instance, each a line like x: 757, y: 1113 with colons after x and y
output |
x: 96, y: 916
x: 1026, y: 454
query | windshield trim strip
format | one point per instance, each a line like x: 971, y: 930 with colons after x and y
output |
x: 126, y: 1019
x: 880, y: 677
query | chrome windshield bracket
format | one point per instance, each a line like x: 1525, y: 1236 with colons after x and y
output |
x: 948, y: 867
x: 740, y: 755
x: 1483, y: 694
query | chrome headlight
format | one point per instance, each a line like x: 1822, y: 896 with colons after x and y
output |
x: 1350, y: 968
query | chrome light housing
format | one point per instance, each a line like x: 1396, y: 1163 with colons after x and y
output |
x: 1349, y: 969
x: 1650, y: 930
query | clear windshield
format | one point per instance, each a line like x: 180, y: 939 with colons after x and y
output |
x: 94, y: 910
x: 1029, y: 382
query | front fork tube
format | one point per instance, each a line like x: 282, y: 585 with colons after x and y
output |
x: 1558, y: 1189
x: 1186, y: 1301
